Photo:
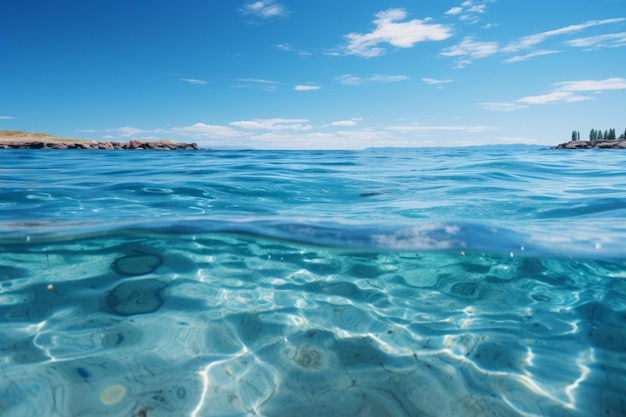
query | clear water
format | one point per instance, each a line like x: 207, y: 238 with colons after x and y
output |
x: 422, y: 282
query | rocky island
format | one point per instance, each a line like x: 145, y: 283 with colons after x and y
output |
x: 597, y: 140
x: 593, y: 144
x: 13, y: 139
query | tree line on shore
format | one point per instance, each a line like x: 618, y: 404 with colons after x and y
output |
x: 599, y: 135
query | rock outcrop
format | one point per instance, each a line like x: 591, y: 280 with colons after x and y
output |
x: 593, y: 144
x: 164, y: 145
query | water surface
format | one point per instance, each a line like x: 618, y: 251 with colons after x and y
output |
x: 422, y: 282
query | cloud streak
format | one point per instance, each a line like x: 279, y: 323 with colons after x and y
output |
x: 392, y: 30
x: 520, y: 58
x: 127, y: 131
x: 532, y: 40
x: 553, y: 97
x: 433, y: 81
x: 201, y: 130
x: 455, y: 11
x: 306, y: 87
x: 593, y: 85
x: 349, y: 79
x: 610, y: 40
x: 345, y: 123
x: 504, y: 107
x: 266, y: 85
x: 193, y: 81
x: 273, y: 124
x: 469, y: 49
x: 563, y: 92
x: 288, y: 48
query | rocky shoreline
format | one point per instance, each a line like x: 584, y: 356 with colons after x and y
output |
x: 593, y: 144
x: 162, y: 145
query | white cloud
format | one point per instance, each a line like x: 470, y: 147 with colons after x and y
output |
x: 505, y: 107
x: 306, y: 87
x: 267, y: 85
x: 257, y: 80
x: 344, y: 123
x: 273, y: 124
x: 128, y: 131
x: 593, y: 85
x: 611, y: 40
x: 193, y: 81
x: 264, y: 9
x: 7, y: 117
x: 471, y: 48
x: 432, y: 81
x: 425, y: 128
x: 479, y: 8
x: 468, y: 50
x: 288, y: 48
x: 564, y: 92
x: 520, y: 58
x: 349, y: 79
x: 398, y: 34
x: 469, y: 11
x: 201, y: 130
x: 381, y: 78
x: 532, y: 40
x: 125, y: 132
x: 553, y: 97
x: 454, y: 11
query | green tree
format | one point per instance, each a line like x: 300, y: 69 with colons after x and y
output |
x: 593, y: 135
x: 611, y: 134
x: 573, y: 135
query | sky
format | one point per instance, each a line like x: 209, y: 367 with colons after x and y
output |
x: 323, y: 74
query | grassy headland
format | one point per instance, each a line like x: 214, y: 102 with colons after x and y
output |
x: 21, y: 136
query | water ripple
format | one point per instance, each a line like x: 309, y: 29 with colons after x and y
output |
x: 452, y: 282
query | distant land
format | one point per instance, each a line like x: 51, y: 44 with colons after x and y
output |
x: 593, y: 144
x: 496, y: 146
x: 597, y: 140
x: 16, y: 139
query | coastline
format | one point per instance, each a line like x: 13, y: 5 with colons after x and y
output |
x: 24, y: 140
x: 593, y: 144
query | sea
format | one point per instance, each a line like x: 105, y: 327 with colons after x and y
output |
x: 469, y: 281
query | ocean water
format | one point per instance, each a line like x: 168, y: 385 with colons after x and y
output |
x: 485, y: 281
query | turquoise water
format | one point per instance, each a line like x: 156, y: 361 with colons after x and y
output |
x: 420, y: 282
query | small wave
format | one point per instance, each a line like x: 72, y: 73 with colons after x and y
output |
x: 515, y: 238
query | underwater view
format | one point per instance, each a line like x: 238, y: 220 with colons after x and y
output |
x: 486, y: 281
x: 283, y: 208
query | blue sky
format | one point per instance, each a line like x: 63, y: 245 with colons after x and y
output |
x: 293, y: 74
